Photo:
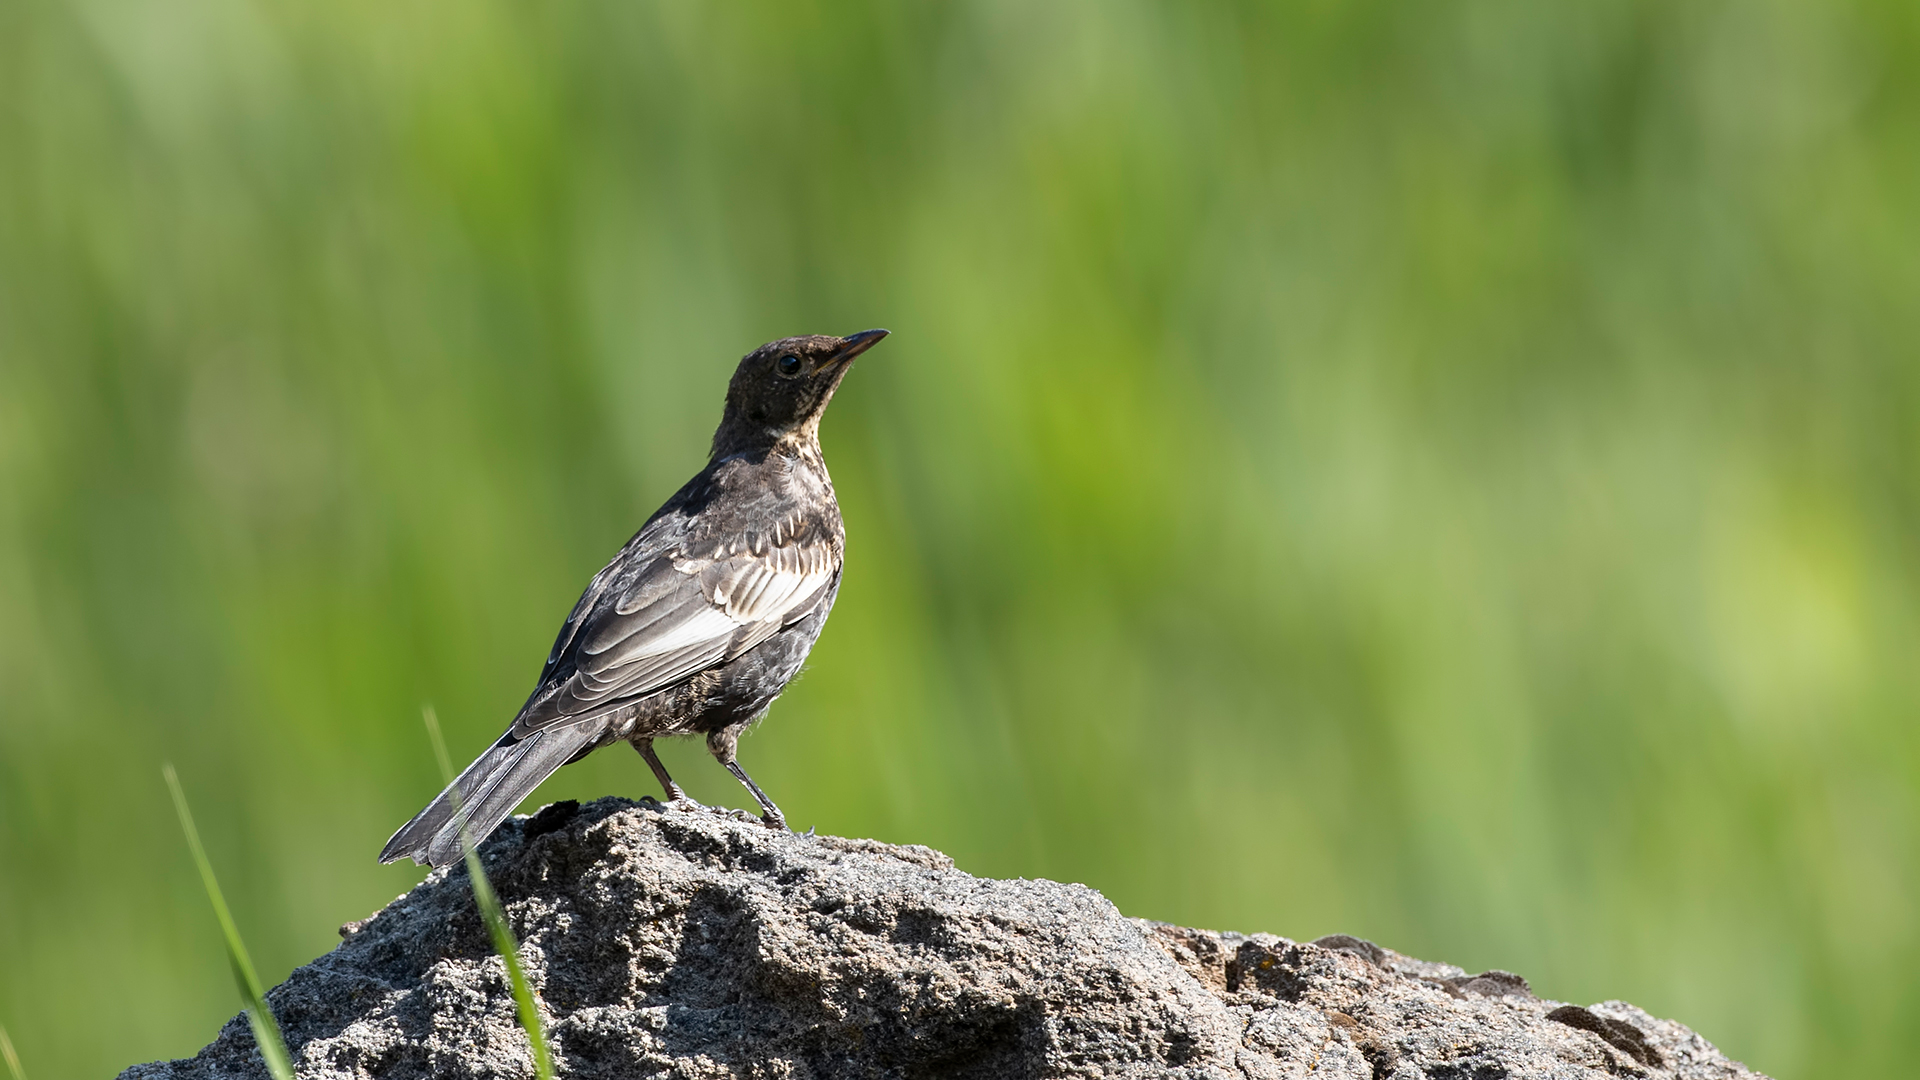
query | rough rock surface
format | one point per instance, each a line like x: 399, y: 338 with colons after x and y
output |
x: 681, y: 944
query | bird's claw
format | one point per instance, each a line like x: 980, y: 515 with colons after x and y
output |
x: 679, y: 802
x: 684, y: 803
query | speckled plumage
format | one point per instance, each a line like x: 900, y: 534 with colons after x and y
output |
x: 700, y: 621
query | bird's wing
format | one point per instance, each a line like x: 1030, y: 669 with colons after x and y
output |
x: 682, y: 613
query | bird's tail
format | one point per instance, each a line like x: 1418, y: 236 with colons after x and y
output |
x: 488, y: 789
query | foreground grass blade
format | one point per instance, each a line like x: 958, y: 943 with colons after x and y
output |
x: 14, y: 1071
x: 266, y: 1032
x: 490, y: 913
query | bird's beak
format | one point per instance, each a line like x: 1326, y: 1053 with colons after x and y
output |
x: 857, y: 344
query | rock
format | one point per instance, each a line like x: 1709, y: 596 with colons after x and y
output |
x: 687, y: 945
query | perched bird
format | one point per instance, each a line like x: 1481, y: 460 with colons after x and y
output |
x: 701, y: 619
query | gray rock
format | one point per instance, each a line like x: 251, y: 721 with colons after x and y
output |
x: 690, y: 945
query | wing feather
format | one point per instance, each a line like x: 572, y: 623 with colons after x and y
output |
x: 676, y: 617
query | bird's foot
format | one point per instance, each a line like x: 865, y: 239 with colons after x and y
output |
x: 776, y: 823
x: 679, y: 801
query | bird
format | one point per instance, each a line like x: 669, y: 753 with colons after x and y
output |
x: 699, y: 622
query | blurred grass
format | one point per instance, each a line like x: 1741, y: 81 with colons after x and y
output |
x: 488, y: 903
x: 267, y: 1040
x: 1446, y: 473
x: 12, y: 1059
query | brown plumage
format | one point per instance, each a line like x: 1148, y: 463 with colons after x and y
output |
x: 702, y: 618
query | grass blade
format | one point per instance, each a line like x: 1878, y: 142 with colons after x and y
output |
x: 490, y: 913
x: 14, y: 1071
x: 266, y: 1031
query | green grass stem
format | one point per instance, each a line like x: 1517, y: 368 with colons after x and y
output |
x: 14, y: 1071
x: 490, y: 913
x: 266, y: 1031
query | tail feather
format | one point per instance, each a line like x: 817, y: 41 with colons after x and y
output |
x: 489, y: 789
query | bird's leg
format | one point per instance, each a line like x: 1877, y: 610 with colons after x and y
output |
x: 675, y: 796
x: 721, y: 744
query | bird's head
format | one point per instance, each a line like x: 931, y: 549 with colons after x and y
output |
x: 780, y: 389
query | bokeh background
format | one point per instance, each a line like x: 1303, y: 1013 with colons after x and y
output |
x: 1447, y: 473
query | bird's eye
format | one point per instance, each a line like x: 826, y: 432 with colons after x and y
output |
x: 788, y: 364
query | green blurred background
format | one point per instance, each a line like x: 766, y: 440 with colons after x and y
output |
x: 1448, y: 473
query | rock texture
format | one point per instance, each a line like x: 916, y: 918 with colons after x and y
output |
x: 691, y: 945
